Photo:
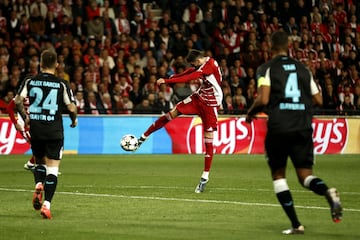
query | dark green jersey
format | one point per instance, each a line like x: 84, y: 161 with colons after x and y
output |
x: 291, y: 89
x: 48, y: 97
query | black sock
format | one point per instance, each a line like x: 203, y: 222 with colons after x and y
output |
x: 318, y: 186
x: 50, y: 186
x: 39, y: 174
x: 287, y: 204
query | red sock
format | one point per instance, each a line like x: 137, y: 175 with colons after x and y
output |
x: 209, y: 153
x: 32, y: 159
x: 159, y: 123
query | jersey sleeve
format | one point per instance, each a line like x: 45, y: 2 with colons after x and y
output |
x: 263, y: 76
x: 68, y: 93
x: 23, y: 91
x: 314, y: 88
x: 187, y: 71
x: 185, y: 78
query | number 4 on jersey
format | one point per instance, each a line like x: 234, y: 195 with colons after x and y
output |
x: 292, y: 89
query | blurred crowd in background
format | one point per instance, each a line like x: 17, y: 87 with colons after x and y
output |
x: 113, y: 51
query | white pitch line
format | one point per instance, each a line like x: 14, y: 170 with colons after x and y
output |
x: 177, y: 199
x: 214, y: 188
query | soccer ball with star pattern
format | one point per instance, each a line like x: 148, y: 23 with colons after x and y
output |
x: 129, y: 142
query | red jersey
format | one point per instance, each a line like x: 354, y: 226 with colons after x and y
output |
x: 209, y: 73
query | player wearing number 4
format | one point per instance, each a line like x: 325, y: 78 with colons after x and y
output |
x: 48, y: 97
x: 204, y: 103
x: 286, y: 92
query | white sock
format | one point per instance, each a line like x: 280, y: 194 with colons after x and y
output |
x: 47, y: 204
x: 205, y: 175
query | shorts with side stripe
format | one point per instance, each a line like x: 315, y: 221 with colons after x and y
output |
x: 192, y: 105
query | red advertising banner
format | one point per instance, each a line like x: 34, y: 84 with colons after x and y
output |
x: 234, y: 136
x: 11, y: 141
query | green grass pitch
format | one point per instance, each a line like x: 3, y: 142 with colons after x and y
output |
x: 152, y: 197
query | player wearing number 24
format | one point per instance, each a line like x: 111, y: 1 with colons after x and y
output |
x: 48, y: 97
x: 286, y: 92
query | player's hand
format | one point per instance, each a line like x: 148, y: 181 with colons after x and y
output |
x: 160, y: 81
x: 74, y: 124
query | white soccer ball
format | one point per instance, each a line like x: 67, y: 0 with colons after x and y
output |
x: 129, y: 142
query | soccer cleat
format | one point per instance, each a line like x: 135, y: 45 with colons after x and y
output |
x: 333, y: 198
x: 29, y: 166
x: 45, y: 212
x: 141, y: 140
x: 37, y: 198
x: 201, y: 186
x: 292, y: 231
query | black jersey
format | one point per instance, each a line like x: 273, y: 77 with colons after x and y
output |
x: 290, y: 105
x: 48, y: 97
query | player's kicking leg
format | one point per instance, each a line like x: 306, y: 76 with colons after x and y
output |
x: 141, y: 140
x: 159, y: 123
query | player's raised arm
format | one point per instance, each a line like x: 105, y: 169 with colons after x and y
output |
x: 183, y: 78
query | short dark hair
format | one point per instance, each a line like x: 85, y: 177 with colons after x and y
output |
x: 48, y: 59
x: 193, y: 55
x: 279, y: 41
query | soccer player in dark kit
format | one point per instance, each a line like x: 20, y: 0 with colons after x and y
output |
x: 286, y: 92
x: 48, y: 97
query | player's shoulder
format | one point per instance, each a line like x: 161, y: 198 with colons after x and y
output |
x: 23, y: 83
x: 210, y: 61
x: 261, y: 70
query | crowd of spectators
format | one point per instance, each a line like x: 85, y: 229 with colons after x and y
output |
x: 112, y: 51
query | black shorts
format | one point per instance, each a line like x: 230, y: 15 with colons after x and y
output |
x: 298, y: 146
x: 52, y: 149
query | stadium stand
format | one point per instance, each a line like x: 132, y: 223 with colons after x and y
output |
x: 112, y: 51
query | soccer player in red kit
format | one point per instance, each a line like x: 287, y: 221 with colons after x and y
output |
x: 20, y: 126
x: 204, y: 103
